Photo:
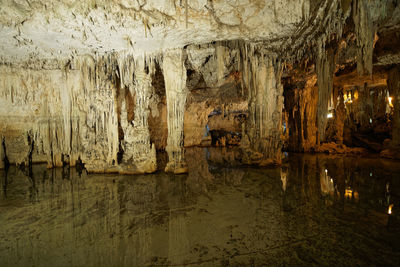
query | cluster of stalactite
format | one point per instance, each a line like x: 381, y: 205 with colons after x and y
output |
x: 77, y: 114
x: 62, y: 112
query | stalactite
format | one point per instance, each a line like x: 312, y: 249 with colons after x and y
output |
x: 176, y: 92
x: 365, y: 36
x: 186, y: 13
x: 262, y: 141
x: 220, y: 55
x: 325, y: 68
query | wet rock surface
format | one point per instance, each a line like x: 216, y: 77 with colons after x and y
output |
x: 314, y: 210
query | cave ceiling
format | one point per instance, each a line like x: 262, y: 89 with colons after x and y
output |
x: 40, y: 29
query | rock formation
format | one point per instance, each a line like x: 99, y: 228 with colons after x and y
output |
x: 108, y: 83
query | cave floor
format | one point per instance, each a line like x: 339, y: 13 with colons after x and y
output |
x: 314, y: 210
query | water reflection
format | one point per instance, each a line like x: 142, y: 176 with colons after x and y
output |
x: 218, y: 214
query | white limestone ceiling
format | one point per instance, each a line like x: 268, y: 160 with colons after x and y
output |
x: 43, y: 29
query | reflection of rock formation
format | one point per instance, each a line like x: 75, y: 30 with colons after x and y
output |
x: 199, y: 177
x: 178, y: 239
x: 223, y: 156
x: 327, y: 186
x: 284, y: 178
x: 61, y: 218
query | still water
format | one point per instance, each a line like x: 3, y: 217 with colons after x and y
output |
x: 314, y: 210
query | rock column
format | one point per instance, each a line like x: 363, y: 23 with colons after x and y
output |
x: 139, y: 154
x: 325, y: 69
x: 262, y: 142
x: 176, y: 92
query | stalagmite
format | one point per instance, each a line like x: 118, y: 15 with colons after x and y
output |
x: 365, y: 32
x: 176, y: 91
x: 262, y: 141
x: 325, y: 69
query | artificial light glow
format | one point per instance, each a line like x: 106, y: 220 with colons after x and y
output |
x: 390, y: 101
x: 390, y: 209
x: 348, y: 192
x: 331, y: 180
x: 329, y: 115
x: 356, y: 95
x: 326, y: 170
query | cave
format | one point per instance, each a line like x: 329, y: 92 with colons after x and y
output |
x: 199, y: 132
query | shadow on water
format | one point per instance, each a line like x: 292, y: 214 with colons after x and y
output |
x: 313, y: 210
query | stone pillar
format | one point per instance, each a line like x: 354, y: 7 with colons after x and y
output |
x: 176, y: 92
x: 262, y: 142
x: 139, y: 154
